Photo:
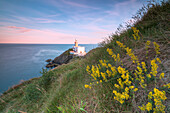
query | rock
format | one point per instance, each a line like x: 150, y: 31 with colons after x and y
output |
x: 48, y: 60
x: 55, y: 65
x: 64, y: 58
x: 50, y: 65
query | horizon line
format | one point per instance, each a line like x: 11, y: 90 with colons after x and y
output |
x: 43, y: 43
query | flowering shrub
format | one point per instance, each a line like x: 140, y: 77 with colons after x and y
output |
x: 158, y: 96
x: 129, y: 82
x: 136, y: 33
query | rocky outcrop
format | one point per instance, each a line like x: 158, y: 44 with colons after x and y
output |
x: 62, y: 59
x: 48, y: 60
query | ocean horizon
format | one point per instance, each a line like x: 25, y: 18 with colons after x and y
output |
x: 21, y: 62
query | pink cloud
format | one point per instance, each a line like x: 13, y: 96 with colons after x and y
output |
x: 10, y: 34
x: 20, y: 29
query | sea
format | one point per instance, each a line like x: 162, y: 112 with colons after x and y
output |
x: 20, y: 62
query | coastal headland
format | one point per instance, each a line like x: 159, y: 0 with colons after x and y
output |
x: 128, y: 72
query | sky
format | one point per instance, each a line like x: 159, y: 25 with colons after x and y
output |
x: 63, y: 21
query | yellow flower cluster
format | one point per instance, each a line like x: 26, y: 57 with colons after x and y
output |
x: 124, y: 81
x: 116, y: 57
x: 143, y: 107
x: 100, y: 76
x: 167, y: 85
x: 144, y: 66
x: 87, y: 86
x: 129, y: 52
x: 146, y: 47
x: 103, y: 63
x: 125, y: 76
x: 158, y: 96
x: 136, y: 33
x: 121, y: 97
x: 161, y: 75
x: 114, y: 71
x: 88, y: 69
x: 157, y: 59
x: 104, y: 76
x: 121, y: 44
x: 148, y: 107
x: 156, y: 48
x: 154, y: 67
x: 124, y: 86
x: 150, y: 95
x: 141, y: 78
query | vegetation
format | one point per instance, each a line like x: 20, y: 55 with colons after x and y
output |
x: 129, y: 73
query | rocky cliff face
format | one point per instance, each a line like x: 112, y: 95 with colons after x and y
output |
x: 62, y: 59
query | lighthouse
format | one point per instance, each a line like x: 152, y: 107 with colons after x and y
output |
x: 76, y: 43
x: 78, y: 50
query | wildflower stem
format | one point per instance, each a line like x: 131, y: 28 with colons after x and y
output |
x: 155, y: 82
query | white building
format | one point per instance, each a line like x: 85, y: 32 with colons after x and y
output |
x: 78, y: 50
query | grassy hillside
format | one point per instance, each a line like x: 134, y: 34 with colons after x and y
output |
x: 63, y: 89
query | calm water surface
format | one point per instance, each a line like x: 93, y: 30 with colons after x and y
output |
x: 25, y: 61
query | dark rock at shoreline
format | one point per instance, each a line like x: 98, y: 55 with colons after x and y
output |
x: 48, y: 60
x: 50, y: 65
x: 62, y: 59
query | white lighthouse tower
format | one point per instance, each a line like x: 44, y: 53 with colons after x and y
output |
x: 78, y: 50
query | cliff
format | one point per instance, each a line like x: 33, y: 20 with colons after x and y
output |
x: 64, y: 58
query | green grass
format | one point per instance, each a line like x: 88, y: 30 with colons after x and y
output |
x: 63, y: 88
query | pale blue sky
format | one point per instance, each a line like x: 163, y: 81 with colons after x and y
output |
x: 61, y: 21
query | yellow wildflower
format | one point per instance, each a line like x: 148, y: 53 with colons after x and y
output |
x: 150, y: 95
x: 104, y: 76
x: 144, y: 66
x: 159, y: 96
x: 167, y: 85
x: 109, y: 73
x: 87, y: 86
x: 154, y: 67
x: 148, y: 75
x: 88, y: 69
x: 135, y: 89
x: 120, y: 44
x: 117, y: 86
x: 158, y: 60
x: 135, y: 33
x: 146, y: 47
x: 131, y: 87
x: 100, y: 81
x: 161, y: 75
x: 149, y: 106
x: 156, y: 47
x: 143, y: 107
x: 109, y: 65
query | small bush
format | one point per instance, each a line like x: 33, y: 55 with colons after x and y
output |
x: 46, y: 80
x: 32, y: 93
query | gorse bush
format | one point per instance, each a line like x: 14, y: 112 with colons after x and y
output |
x: 127, y: 83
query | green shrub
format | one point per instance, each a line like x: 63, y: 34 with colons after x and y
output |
x: 46, y: 80
x: 32, y: 93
